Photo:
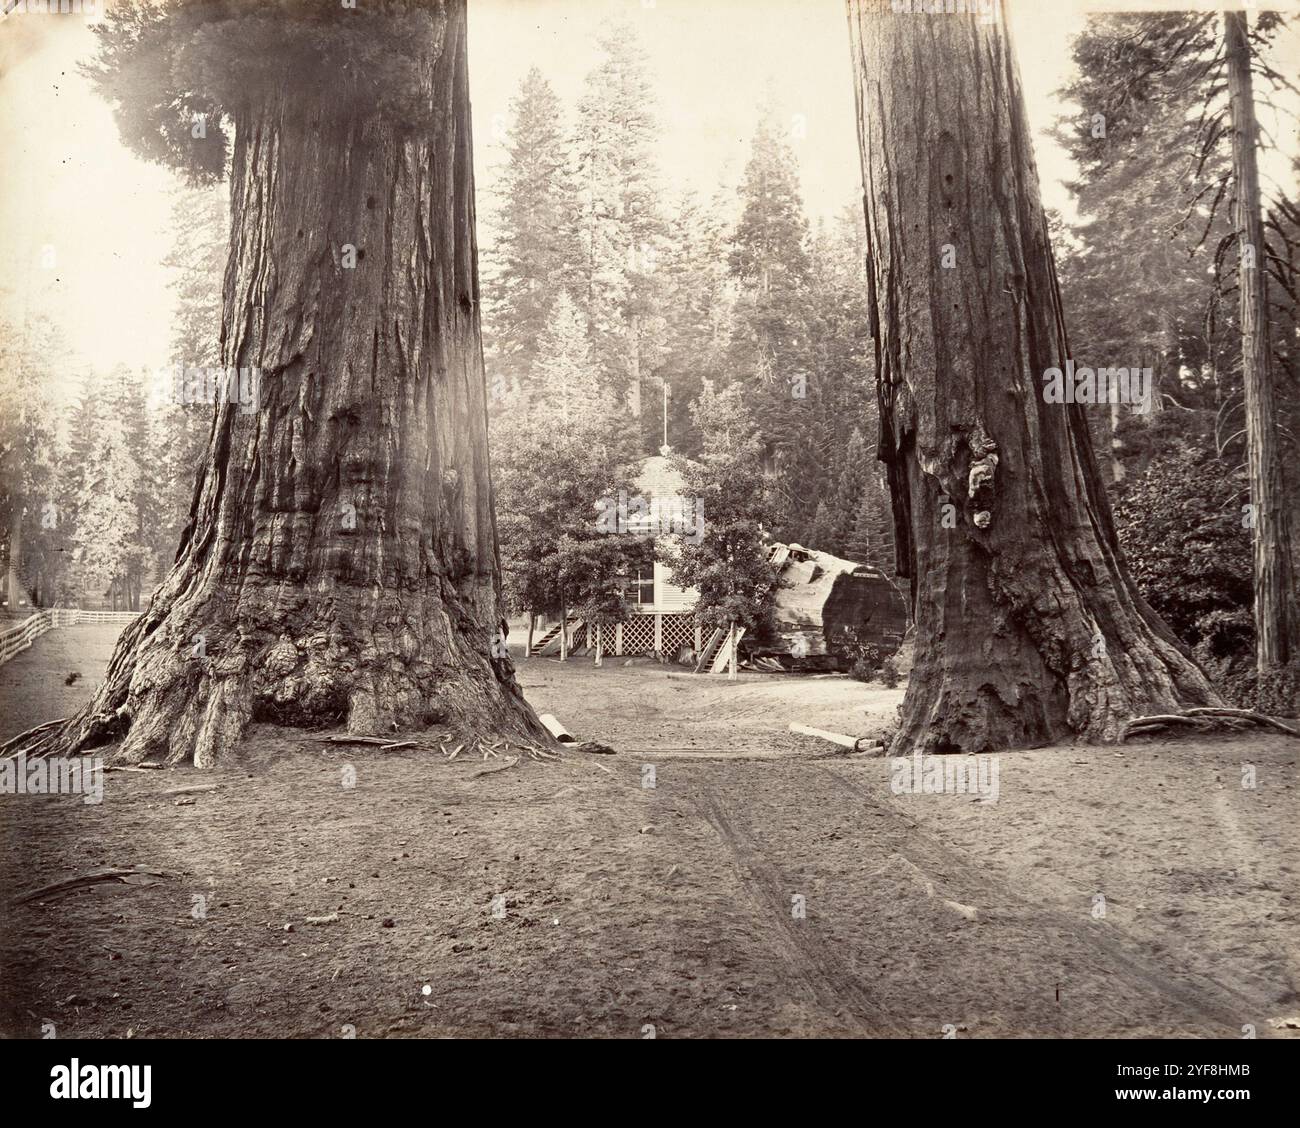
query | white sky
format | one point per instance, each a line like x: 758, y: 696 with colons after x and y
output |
x: 713, y: 61
x: 67, y: 182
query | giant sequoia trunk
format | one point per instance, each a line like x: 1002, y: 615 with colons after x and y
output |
x: 340, y: 563
x: 1275, y: 614
x: 1029, y: 628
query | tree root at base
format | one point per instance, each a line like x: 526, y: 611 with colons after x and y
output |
x: 1205, y: 719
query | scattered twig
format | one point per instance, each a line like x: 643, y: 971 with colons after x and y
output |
x: 510, y: 763
x: 542, y: 754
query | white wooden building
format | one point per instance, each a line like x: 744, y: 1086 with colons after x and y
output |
x: 662, y: 615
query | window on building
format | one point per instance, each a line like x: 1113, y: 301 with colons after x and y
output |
x: 639, y: 588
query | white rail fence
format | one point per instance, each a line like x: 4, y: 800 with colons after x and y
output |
x: 14, y: 640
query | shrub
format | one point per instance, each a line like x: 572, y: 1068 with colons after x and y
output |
x: 1275, y: 695
x: 1180, y: 525
x: 866, y: 664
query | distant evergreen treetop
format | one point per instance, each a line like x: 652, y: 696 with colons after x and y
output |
x: 167, y: 64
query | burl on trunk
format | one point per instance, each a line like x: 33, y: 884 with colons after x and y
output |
x: 340, y: 563
x: 1029, y: 627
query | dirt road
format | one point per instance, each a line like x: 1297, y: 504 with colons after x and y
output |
x: 795, y: 896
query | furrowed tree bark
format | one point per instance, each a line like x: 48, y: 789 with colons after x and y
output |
x: 1029, y: 628
x: 1275, y: 612
x: 340, y: 564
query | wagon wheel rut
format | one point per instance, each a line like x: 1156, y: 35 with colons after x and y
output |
x: 1107, y: 950
x: 808, y: 956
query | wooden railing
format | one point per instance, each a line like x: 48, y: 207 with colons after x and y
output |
x: 14, y: 640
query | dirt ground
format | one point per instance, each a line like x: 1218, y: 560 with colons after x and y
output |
x: 763, y: 886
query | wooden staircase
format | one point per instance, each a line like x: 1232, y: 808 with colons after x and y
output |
x: 710, y: 651
x: 551, y: 638
x: 723, y: 659
x: 716, y: 654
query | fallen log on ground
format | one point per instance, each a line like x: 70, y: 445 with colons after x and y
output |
x: 556, y: 729
x: 853, y: 743
x: 839, y: 738
x: 95, y: 877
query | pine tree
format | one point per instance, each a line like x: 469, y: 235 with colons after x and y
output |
x: 697, y: 305
x: 107, y: 550
x: 556, y: 453
x: 841, y: 371
x: 200, y: 232
x: 32, y: 357
x: 568, y: 398
x: 1190, y: 77
x: 822, y: 534
x: 769, y: 262
x: 1277, y: 618
x: 534, y: 255
x: 850, y: 500
x: 127, y: 403
x: 621, y: 233
x: 728, y: 565
x: 178, y: 430
x: 769, y: 247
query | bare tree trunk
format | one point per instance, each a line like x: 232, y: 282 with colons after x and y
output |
x: 600, y: 645
x: 634, y: 396
x: 1275, y: 612
x: 532, y: 623
x: 340, y: 564
x: 1116, y: 443
x: 1029, y: 628
x: 14, y: 581
x: 564, y: 630
x: 731, y: 661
